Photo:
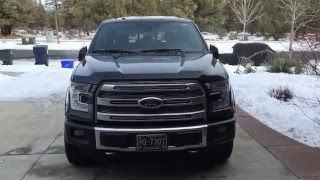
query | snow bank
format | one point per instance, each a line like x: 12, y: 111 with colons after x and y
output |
x: 4, y: 78
x: 223, y: 46
x: 64, y: 45
x: 251, y: 92
x: 30, y: 81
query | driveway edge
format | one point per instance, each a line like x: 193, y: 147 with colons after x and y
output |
x: 303, y: 161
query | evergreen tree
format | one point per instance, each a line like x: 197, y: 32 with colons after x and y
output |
x: 270, y: 25
x: 142, y: 7
x: 38, y: 19
x: 14, y: 13
x: 179, y: 8
x: 106, y: 9
x: 209, y: 13
x: 86, y: 15
x: 231, y: 23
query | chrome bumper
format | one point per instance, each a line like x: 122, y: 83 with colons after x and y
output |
x: 202, y: 128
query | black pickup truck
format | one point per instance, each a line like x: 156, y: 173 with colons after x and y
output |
x: 149, y: 84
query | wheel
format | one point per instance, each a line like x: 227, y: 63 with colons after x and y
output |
x: 224, y: 152
x: 74, y: 155
x: 220, y: 153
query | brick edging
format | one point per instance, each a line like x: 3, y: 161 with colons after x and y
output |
x: 301, y: 160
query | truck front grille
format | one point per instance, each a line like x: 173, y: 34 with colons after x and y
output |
x: 120, y: 103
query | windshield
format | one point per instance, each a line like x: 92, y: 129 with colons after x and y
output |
x: 149, y: 36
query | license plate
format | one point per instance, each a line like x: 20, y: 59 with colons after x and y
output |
x: 152, y: 142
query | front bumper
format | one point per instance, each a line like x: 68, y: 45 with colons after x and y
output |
x: 123, y: 139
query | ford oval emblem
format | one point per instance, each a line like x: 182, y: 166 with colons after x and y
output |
x: 150, y: 103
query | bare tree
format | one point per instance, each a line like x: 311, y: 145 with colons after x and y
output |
x: 246, y: 11
x: 309, y: 52
x: 55, y: 4
x: 311, y: 104
x: 298, y: 13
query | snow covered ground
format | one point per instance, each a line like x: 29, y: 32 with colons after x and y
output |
x: 251, y: 92
x: 24, y: 80
x: 64, y: 45
x: 224, y: 46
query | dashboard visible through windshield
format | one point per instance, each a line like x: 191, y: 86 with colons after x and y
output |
x: 146, y: 37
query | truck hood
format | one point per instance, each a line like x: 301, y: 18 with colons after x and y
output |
x: 97, y: 68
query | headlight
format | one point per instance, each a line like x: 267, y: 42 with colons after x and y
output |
x: 218, y: 93
x: 80, y: 97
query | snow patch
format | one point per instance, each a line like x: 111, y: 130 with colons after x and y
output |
x: 224, y: 46
x: 251, y: 92
x: 35, y: 81
x: 64, y: 45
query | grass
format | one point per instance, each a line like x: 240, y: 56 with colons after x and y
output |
x: 279, y: 63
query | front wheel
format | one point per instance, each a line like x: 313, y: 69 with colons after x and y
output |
x: 74, y: 156
x: 219, y: 153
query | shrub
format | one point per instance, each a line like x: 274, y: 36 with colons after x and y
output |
x: 233, y: 36
x: 247, y: 65
x: 249, y: 69
x: 277, y: 63
x: 246, y: 38
x: 281, y: 93
x: 221, y: 32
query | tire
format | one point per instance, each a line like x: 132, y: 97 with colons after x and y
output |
x: 74, y: 155
x: 219, y: 154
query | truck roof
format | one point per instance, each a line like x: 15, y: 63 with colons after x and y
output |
x: 146, y: 19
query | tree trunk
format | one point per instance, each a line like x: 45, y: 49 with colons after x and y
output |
x: 196, y: 13
x: 244, y: 32
x: 41, y: 29
x: 56, y: 21
x: 292, y: 33
x: 79, y: 33
x: 87, y: 30
x: 57, y: 28
x: 6, y: 30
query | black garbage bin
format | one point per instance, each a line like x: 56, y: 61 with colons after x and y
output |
x: 41, y: 54
x: 6, y: 56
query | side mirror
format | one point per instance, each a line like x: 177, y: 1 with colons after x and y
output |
x: 214, y: 51
x: 82, y: 53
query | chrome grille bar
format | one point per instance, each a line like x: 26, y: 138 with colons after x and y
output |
x: 147, y: 87
x: 134, y: 102
x: 181, y: 101
x: 156, y: 117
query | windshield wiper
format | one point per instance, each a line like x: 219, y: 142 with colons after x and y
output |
x: 112, y: 51
x: 162, y: 50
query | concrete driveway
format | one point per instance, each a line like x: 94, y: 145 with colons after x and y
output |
x: 31, y: 147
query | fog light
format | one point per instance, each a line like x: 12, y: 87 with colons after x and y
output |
x: 78, y: 133
x: 221, y: 130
